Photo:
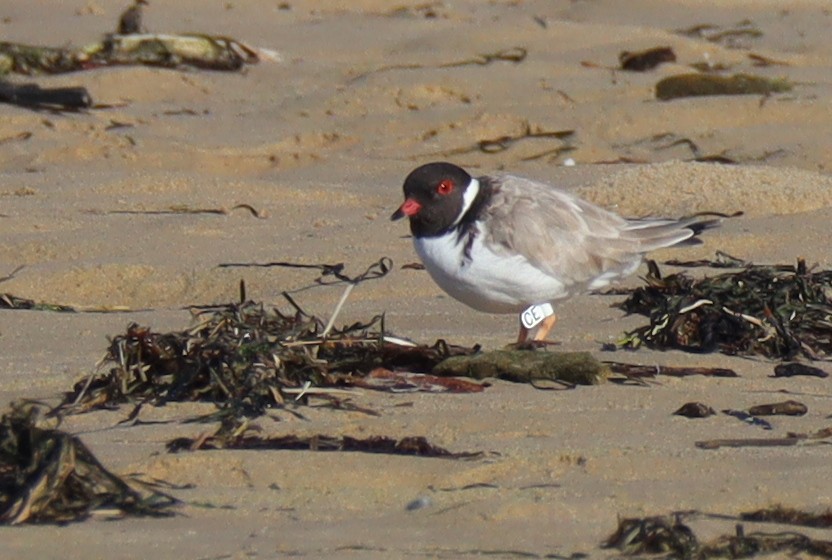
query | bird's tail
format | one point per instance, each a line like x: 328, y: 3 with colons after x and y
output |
x: 655, y: 233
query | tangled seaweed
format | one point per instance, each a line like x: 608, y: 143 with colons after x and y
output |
x: 779, y: 311
x: 672, y: 538
x: 49, y: 476
x: 245, y: 358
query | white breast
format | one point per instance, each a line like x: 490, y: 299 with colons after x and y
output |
x: 485, y: 280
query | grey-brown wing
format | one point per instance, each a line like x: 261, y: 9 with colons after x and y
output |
x: 568, y: 237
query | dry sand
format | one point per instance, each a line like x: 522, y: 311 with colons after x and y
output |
x: 321, y: 143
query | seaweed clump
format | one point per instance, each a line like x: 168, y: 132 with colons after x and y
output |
x: 672, y: 538
x: 778, y: 311
x: 245, y: 358
x: 49, y: 476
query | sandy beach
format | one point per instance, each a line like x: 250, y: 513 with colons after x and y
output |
x: 318, y: 142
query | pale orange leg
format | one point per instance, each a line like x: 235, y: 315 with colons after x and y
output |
x: 545, y: 326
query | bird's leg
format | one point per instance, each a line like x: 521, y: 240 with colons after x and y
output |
x: 545, y: 326
x: 523, y: 335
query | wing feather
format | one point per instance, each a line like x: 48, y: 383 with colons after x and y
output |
x: 570, y: 238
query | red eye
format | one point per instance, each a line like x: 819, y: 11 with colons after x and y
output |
x: 445, y: 187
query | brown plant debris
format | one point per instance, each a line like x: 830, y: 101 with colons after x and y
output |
x: 695, y: 410
x: 671, y: 537
x: 232, y: 439
x: 795, y: 369
x: 779, y: 311
x: 9, y: 301
x: 504, y: 143
x: 515, y: 55
x: 184, y: 209
x: 734, y: 36
x: 639, y: 371
x: 698, y: 85
x: 785, y: 408
x: 382, y: 379
x: 54, y: 98
x: 642, y: 61
x: 792, y: 438
x: 247, y: 358
x: 790, y: 516
x: 49, y: 476
x: 653, y: 535
x: 131, y: 47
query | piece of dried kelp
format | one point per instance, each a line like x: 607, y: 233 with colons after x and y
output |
x: 789, y: 516
x: 747, y: 442
x: 785, y: 408
x: 33, y: 96
x: 642, y: 61
x: 414, y: 445
x: 779, y: 311
x: 795, y: 369
x: 382, y: 379
x: 696, y: 85
x: 49, y: 476
x: 792, y: 438
x: 695, y: 410
x: 638, y: 370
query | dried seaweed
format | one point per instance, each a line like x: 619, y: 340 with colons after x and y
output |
x: 640, y: 371
x: 183, y: 209
x: 503, y: 143
x: 642, y: 61
x: 227, y: 439
x: 653, y: 535
x: 129, y: 47
x: 695, y: 410
x: 515, y: 55
x: 49, y: 476
x: 9, y: 301
x: 735, y: 36
x: 697, y: 85
x: 779, y: 311
x: 790, y: 516
x: 382, y: 379
x: 792, y: 438
x: 795, y: 369
x: 247, y: 358
x: 32, y: 96
x: 785, y: 408
x: 671, y: 537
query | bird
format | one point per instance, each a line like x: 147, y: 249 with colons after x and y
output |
x: 507, y: 244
